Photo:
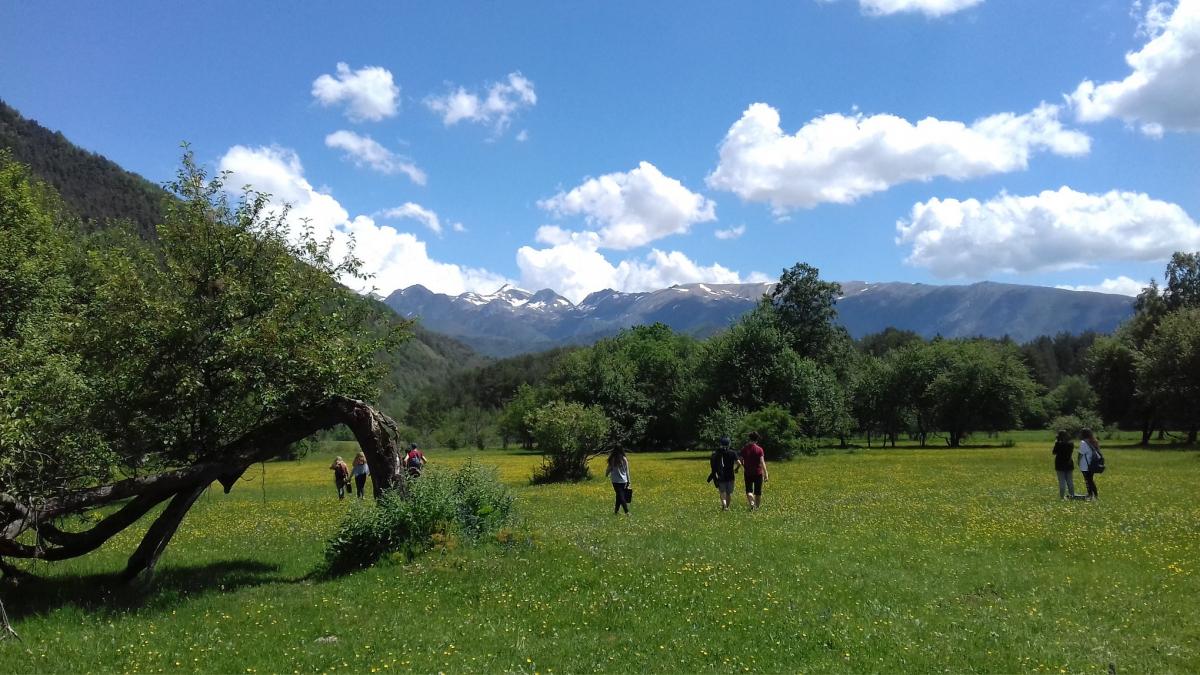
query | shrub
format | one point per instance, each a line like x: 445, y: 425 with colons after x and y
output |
x: 1073, y: 424
x: 440, y: 506
x: 779, y: 434
x: 567, y: 434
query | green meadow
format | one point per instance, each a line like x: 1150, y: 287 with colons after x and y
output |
x: 862, y: 561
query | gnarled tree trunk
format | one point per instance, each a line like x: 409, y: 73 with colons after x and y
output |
x: 375, y: 432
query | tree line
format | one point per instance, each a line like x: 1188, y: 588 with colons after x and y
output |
x: 788, y: 369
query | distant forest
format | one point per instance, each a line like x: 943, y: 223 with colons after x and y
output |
x: 93, y: 187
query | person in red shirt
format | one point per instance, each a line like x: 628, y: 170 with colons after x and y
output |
x: 754, y: 464
x: 414, y: 461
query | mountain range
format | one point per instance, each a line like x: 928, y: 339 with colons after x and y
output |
x: 514, y: 321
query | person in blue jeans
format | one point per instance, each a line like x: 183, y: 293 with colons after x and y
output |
x: 1063, y: 465
x: 360, y: 473
x: 618, y: 470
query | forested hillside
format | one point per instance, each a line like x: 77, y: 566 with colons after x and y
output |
x: 93, y: 187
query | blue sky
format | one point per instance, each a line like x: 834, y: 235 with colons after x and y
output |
x: 587, y: 145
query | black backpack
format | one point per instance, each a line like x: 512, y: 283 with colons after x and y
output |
x: 1096, y: 464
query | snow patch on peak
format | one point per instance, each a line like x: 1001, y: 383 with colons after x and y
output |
x: 472, y: 298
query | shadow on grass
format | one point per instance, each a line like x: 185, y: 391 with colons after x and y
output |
x: 104, y: 594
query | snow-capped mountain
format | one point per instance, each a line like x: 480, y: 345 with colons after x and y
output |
x: 513, y: 321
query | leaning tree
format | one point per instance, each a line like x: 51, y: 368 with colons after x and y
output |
x: 137, y: 374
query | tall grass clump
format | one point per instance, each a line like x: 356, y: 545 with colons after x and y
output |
x: 467, y: 504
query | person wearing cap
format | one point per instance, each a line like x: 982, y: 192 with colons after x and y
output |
x: 724, y: 464
x: 414, y: 461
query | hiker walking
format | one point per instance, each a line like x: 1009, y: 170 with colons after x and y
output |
x: 1091, y: 462
x: 618, y: 471
x: 1063, y: 466
x: 360, y: 473
x: 724, y: 464
x: 341, y: 476
x: 414, y: 461
x: 754, y: 463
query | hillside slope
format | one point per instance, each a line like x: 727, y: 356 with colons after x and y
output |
x: 95, y: 188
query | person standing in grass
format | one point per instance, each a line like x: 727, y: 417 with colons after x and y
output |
x: 1063, y: 465
x: 414, y: 461
x: 360, y: 473
x: 754, y: 464
x: 724, y: 464
x: 341, y: 476
x: 1089, y: 446
x: 618, y: 471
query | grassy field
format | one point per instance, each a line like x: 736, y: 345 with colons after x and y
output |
x: 871, y: 560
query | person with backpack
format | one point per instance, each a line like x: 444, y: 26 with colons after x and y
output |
x: 1063, y: 465
x: 1091, y: 462
x: 617, y: 469
x: 414, y: 461
x: 341, y: 476
x: 724, y: 464
x: 754, y: 462
x: 360, y: 473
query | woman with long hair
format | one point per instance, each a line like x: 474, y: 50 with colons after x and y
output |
x: 360, y: 473
x: 1063, y: 465
x: 618, y: 471
x: 341, y: 476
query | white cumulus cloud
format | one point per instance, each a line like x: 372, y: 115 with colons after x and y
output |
x: 931, y: 8
x: 1122, y: 285
x: 415, y: 212
x: 839, y: 158
x: 1054, y: 230
x: 366, y: 151
x: 396, y: 259
x: 731, y: 233
x: 1163, y: 89
x: 495, y: 106
x: 575, y: 268
x: 368, y: 94
x: 634, y: 208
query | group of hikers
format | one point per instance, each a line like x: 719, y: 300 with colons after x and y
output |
x: 1091, y: 462
x: 413, y: 462
x: 724, y: 463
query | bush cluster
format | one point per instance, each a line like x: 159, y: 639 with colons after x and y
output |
x: 1073, y: 424
x: 441, y: 504
x: 568, y: 434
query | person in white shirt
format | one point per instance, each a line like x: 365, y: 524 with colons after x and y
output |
x: 618, y: 471
x: 360, y: 473
x: 1088, y: 445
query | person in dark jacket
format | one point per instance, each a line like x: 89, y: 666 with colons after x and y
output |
x: 1063, y: 466
x: 724, y: 464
